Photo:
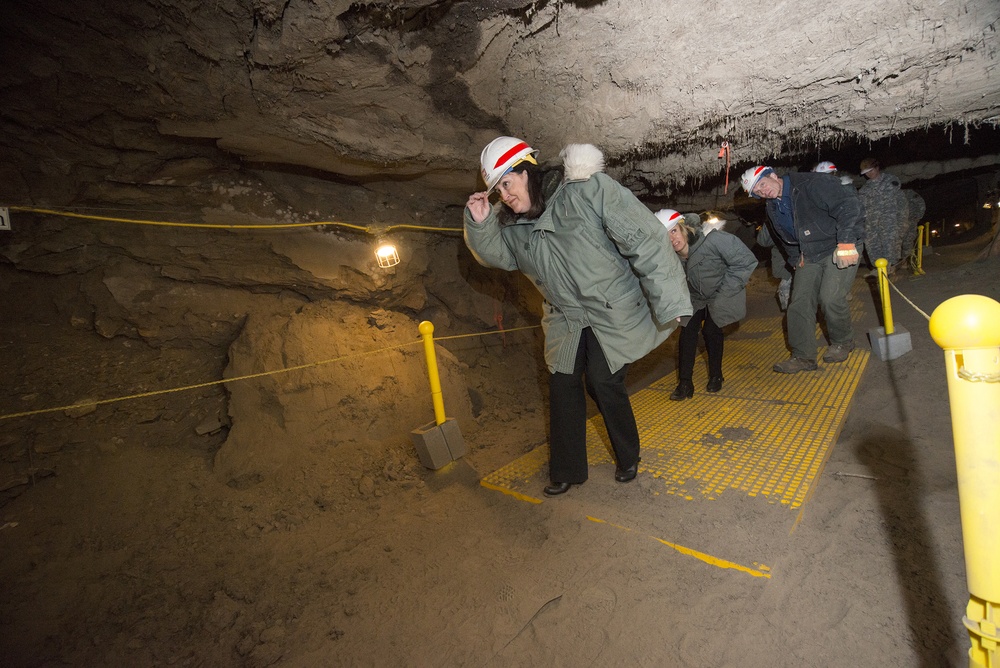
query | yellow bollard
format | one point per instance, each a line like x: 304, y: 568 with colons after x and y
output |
x: 920, y: 250
x: 968, y: 329
x: 883, y: 293
x: 426, y: 329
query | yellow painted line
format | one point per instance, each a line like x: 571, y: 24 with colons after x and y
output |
x: 761, y: 571
x: 520, y: 471
x: 510, y: 492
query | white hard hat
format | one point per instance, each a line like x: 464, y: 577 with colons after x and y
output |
x: 825, y: 167
x: 500, y: 156
x: 752, y: 176
x: 669, y: 218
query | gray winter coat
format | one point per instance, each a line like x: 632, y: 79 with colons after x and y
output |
x: 600, y: 259
x: 718, y: 267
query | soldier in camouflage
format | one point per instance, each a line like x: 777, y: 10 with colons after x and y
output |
x: 885, y: 211
x: 914, y: 212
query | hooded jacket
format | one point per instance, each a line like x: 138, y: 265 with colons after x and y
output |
x: 825, y: 214
x: 599, y: 258
x: 718, y: 267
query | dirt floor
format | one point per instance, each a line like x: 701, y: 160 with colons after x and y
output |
x: 118, y: 546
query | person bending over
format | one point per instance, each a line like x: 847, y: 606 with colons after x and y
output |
x: 718, y: 266
x: 820, y: 226
x: 612, y: 289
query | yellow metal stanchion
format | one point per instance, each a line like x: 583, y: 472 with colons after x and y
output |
x: 438, y: 442
x: 426, y: 329
x: 883, y: 293
x: 887, y: 342
x: 968, y: 329
x: 920, y: 251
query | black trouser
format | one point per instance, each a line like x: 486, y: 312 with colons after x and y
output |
x: 688, y: 345
x: 568, y: 413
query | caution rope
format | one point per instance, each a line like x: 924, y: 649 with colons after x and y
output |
x: 235, y: 379
x: 963, y: 373
x: 915, y: 307
x: 501, y: 332
x: 371, y: 229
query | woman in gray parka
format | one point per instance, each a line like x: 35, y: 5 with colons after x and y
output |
x: 718, y: 266
x: 613, y: 290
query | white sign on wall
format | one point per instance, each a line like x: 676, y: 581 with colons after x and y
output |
x: 4, y: 218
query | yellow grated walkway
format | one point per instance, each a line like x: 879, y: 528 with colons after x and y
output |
x: 766, y: 434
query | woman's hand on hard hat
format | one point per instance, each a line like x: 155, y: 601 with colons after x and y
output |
x: 479, y: 206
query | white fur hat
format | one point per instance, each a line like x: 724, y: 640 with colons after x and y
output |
x: 712, y: 224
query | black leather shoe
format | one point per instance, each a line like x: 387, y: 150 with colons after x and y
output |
x: 557, y: 488
x: 684, y: 390
x: 714, y: 384
x: 624, y: 475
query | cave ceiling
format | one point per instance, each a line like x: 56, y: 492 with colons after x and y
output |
x: 411, y: 91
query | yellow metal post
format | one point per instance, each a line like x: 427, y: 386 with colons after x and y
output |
x: 920, y: 250
x: 968, y: 329
x: 928, y: 231
x: 427, y: 332
x: 883, y: 293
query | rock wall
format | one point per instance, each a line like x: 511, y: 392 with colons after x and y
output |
x: 365, y: 381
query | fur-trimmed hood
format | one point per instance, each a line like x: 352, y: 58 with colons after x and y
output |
x: 581, y: 161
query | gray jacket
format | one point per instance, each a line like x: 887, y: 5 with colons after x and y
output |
x: 718, y: 267
x: 600, y: 259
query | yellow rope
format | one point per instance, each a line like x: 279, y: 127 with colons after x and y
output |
x: 235, y: 379
x: 499, y: 331
x: 421, y: 227
x: 134, y: 221
x: 905, y: 298
x: 206, y: 384
x: 169, y: 224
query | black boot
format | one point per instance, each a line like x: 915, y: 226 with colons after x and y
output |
x: 684, y: 390
x: 557, y: 488
x: 714, y: 384
x: 624, y: 475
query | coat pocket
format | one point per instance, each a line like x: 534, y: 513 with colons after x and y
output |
x: 627, y: 311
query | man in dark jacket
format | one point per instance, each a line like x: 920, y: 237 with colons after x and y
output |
x: 820, y: 225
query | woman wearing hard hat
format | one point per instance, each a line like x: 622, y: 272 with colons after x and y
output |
x: 718, y: 266
x: 612, y: 288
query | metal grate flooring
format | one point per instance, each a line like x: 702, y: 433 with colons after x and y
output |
x: 764, y: 435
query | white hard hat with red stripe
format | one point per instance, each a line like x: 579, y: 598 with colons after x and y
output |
x: 501, y: 155
x: 669, y: 218
x: 752, y: 176
x: 825, y: 167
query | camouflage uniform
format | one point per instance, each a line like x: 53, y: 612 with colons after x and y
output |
x: 885, y: 206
